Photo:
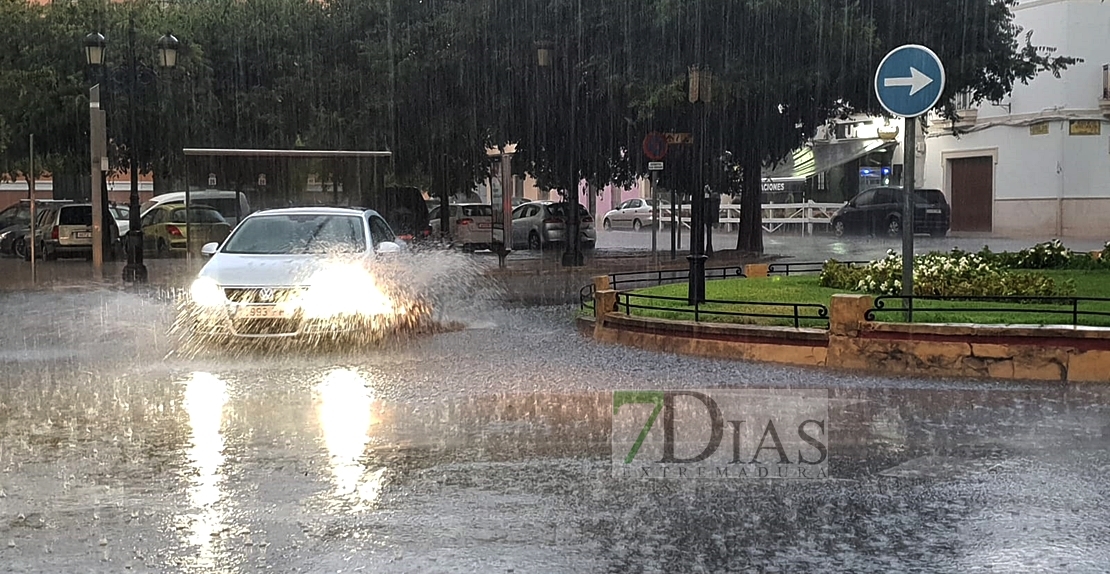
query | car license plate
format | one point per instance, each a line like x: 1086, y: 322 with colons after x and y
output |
x: 82, y: 234
x: 260, y: 312
x: 485, y: 226
x: 933, y: 211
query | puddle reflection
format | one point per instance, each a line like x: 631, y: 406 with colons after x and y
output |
x: 344, y: 405
x: 205, y: 397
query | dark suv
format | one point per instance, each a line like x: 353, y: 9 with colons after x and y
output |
x: 878, y: 211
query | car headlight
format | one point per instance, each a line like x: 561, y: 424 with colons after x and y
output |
x: 207, y: 293
x: 344, y: 290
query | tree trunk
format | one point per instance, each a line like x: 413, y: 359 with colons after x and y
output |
x: 751, y: 205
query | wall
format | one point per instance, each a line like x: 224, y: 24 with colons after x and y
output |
x: 972, y: 351
x: 1051, y: 184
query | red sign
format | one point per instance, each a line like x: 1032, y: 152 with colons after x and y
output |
x: 655, y: 146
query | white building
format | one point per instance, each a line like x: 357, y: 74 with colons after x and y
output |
x: 1039, y: 162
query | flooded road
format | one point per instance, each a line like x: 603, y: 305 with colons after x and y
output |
x: 487, y: 449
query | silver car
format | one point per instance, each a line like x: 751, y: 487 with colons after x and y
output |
x: 634, y: 214
x: 539, y: 224
x: 298, y: 272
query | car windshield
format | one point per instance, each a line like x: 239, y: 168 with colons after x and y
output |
x: 197, y: 215
x: 298, y: 234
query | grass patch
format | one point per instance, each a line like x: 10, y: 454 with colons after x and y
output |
x: 807, y: 289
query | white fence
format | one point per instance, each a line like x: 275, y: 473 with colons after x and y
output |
x: 776, y: 216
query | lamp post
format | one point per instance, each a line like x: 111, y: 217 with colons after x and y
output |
x: 95, y: 46
x: 700, y: 97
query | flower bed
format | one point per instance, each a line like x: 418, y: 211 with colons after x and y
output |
x: 954, y: 274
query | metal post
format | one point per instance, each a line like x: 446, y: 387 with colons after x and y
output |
x: 506, y: 209
x: 654, y: 220
x: 674, y: 224
x: 134, y: 271
x: 188, y: 197
x: 908, y: 202
x: 31, y: 191
x: 696, y: 289
x: 94, y: 180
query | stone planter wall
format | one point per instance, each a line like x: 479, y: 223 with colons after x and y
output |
x: 1020, y: 352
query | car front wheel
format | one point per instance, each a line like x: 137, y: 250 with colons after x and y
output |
x: 534, y: 241
x: 838, y: 228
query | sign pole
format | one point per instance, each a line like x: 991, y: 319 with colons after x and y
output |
x: 909, y: 82
x: 654, y: 220
x: 908, y: 170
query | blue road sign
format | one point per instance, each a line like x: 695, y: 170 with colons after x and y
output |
x: 909, y: 80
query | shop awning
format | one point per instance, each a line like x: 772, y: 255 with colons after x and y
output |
x: 822, y: 157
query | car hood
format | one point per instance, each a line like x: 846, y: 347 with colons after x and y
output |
x: 268, y: 270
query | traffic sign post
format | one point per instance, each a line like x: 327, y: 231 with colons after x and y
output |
x: 909, y: 82
x: 655, y: 167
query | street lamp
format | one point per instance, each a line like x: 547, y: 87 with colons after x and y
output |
x: 95, y: 45
x: 699, y: 94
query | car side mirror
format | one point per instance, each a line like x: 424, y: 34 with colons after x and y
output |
x: 209, y: 249
x: 388, y: 247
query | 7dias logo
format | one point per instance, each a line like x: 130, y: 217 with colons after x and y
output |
x: 721, y: 434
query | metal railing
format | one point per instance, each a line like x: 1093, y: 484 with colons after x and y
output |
x: 1070, y: 307
x: 667, y: 276
x: 586, y: 299
x: 805, y: 268
x: 797, y: 312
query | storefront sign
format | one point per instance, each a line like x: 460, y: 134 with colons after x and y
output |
x: 1085, y: 128
x: 1040, y: 129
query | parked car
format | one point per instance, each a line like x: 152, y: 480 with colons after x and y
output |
x: 471, y: 225
x: 878, y: 211
x: 65, y: 230
x: 166, y: 228
x: 231, y: 204
x: 122, y: 215
x: 15, y: 224
x: 295, y: 272
x: 635, y: 214
x: 539, y: 224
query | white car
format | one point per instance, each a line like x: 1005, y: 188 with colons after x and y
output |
x: 471, y: 224
x: 635, y: 214
x: 299, y: 272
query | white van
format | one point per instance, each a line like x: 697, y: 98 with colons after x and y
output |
x: 223, y: 201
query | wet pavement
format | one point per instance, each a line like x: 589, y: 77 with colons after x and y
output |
x: 486, y: 449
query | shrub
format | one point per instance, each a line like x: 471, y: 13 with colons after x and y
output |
x: 954, y: 274
x: 1049, y: 255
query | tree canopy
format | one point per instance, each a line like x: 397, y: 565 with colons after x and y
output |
x: 575, y: 84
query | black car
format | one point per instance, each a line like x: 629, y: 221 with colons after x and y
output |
x: 878, y: 211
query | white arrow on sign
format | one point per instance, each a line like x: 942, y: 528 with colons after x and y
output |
x: 917, y: 81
